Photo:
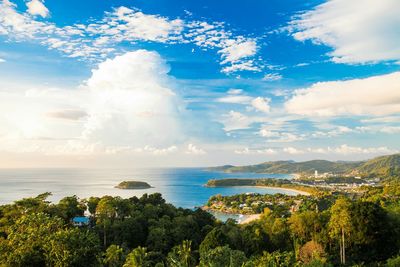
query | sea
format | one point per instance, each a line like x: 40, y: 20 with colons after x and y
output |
x: 182, y: 187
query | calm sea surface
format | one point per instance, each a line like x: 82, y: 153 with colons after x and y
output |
x: 183, y: 187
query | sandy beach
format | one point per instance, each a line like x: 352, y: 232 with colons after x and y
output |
x: 251, y: 218
x: 299, y: 192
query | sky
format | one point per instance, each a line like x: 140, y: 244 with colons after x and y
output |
x: 157, y: 83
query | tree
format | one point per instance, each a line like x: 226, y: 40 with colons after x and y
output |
x: 136, y: 258
x: 275, y: 259
x: 114, y: 256
x: 222, y: 256
x: 69, y: 207
x: 92, y: 203
x: 340, y: 225
x: 25, y: 244
x: 72, y: 247
x: 181, y: 256
x: 312, y: 251
x: 105, y: 213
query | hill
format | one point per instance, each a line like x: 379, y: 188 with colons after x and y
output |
x: 306, y: 167
x: 384, y: 166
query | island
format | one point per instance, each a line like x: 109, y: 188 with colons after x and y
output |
x: 133, y: 185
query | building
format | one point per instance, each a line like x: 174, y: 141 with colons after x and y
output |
x: 80, y: 221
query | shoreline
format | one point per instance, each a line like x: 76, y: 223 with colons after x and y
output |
x: 298, y: 191
x: 251, y: 218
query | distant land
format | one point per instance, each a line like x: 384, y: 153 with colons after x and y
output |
x: 133, y: 185
x: 383, y: 166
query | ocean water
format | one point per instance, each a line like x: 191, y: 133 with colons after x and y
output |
x: 183, y: 187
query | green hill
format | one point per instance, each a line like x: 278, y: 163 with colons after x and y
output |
x: 306, y: 167
x: 384, y: 166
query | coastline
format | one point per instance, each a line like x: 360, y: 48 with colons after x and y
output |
x: 299, y: 192
x: 251, y: 218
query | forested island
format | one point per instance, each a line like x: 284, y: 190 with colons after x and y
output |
x: 327, y: 229
x: 133, y: 185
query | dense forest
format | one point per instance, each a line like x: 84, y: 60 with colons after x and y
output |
x: 147, y: 231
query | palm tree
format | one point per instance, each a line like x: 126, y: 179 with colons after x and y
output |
x: 136, y: 258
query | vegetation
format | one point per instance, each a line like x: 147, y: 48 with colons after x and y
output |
x: 282, y: 183
x: 324, y: 230
x: 384, y: 166
x: 133, y: 185
x: 287, y: 167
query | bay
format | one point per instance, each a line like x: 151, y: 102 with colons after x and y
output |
x: 183, y: 187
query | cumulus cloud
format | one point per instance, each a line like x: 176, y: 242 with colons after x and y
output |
x: 132, y: 102
x: 194, y: 150
x: 235, y: 121
x: 346, y: 149
x: 261, y: 104
x: 248, y: 151
x: 236, y: 96
x: 338, y: 150
x: 377, y: 95
x: 69, y: 114
x: 37, y: 7
x: 359, y: 31
x: 292, y: 150
x: 127, y: 105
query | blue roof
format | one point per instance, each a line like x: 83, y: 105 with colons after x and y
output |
x: 80, y: 220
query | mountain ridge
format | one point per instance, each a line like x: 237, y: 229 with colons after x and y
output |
x: 385, y: 166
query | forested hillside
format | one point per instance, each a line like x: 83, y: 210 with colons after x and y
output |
x: 384, y: 166
x: 325, y: 230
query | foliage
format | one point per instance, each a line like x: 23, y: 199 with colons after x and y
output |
x: 146, y: 231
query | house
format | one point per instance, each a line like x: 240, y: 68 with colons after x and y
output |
x: 80, y: 221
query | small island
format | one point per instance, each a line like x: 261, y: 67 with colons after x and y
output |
x: 133, y: 185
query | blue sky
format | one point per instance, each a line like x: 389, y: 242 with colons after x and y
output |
x: 195, y: 83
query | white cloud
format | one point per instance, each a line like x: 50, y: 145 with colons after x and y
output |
x: 2, y: 60
x: 158, y: 151
x: 131, y: 102
x: 125, y: 24
x: 261, y: 104
x: 99, y: 39
x: 127, y: 103
x: 346, y: 149
x: 67, y: 114
x: 234, y: 91
x: 391, y: 129
x: 272, y: 77
x: 235, y: 99
x: 341, y: 150
x: 235, y: 50
x: 247, y: 151
x: 293, y: 150
x: 247, y: 65
x: 194, y: 150
x: 359, y: 31
x: 377, y: 95
x: 37, y: 7
x: 235, y: 121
